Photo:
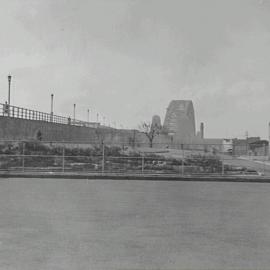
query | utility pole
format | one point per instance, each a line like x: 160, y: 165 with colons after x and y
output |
x: 9, y: 83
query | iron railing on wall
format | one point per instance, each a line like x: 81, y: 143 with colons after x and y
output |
x: 28, y: 114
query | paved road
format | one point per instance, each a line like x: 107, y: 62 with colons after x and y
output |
x: 100, y: 224
x: 260, y: 166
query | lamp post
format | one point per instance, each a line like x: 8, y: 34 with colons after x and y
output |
x: 74, y: 112
x: 9, y: 83
x: 88, y: 117
x: 97, y: 117
x: 51, y: 107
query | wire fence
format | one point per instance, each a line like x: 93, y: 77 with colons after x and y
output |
x: 33, y: 156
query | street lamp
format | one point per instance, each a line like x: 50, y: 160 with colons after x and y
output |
x: 74, y: 112
x: 51, y: 107
x: 9, y: 82
x: 88, y: 117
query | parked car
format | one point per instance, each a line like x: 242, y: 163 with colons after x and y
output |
x: 251, y: 172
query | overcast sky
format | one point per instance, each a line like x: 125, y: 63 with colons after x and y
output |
x: 126, y: 59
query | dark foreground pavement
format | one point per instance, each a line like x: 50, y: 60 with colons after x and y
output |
x: 95, y: 224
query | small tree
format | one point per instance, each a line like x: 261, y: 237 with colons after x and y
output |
x: 150, y: 130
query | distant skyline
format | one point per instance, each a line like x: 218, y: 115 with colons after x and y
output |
x: 127, y: 59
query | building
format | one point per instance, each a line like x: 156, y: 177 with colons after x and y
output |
x: 227, y: 145
x: 241, y: 147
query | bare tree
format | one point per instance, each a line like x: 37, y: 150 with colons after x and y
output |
x: 150, y: 130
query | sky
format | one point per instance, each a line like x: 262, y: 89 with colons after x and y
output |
x: 127, y: 59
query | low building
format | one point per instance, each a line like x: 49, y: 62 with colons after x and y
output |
x: 241, y: 147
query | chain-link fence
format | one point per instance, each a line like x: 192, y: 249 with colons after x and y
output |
x: 100, y: 158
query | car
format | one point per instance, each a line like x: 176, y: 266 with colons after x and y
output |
x: 251, y: 172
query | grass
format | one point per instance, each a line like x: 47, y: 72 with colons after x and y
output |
x: 97, y: 224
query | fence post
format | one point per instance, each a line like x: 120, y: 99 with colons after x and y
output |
x: 23, y: 147
x: 103, y: 157
x: 222, y: 162
x: 142, y: 163
x: 63, y: 159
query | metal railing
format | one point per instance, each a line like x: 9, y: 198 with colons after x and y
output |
x: 28, y: 114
